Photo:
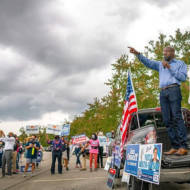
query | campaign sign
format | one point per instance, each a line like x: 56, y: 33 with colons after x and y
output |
x: 53, y: 129
x: 79, y: 139
x: 132, y: 156
x: 102, y: 140
x: 109, y: 134
x: 23, y: 167
x: 32, y: 129
x: 111, y: 177
x: 65, y: 130
x: 125, y: 177
x: 150, y: 162
x: 39, y: 157
x: 117, y: 158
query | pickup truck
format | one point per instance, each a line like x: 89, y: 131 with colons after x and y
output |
x: 149, y: 130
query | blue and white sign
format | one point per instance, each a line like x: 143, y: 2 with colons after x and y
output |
x: 144, y: 161
x: 32, y: 129
x: 65, y: 130
x: 150, y: 162
x: 117, y: 156
x: 102, y: 140
x: 132, y: 157
x: 53, y: 129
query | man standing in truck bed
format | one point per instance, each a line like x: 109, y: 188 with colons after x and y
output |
x: 171, y: 73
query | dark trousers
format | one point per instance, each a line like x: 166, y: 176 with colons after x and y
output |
x: 100, y: 156
x: 170, y: 101
x: 58, y: 155
x: 17, y: 160
x: 1, y: 154
x: 7, y: 159
x: 78, y: 159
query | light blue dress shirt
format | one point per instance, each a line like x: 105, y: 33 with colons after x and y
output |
x: 176, y: 74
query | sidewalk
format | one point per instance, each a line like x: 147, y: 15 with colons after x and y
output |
x: 10, y: 181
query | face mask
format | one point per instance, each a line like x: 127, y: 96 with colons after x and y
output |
x: 93, y: 137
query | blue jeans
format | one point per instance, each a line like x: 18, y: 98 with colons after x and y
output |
x: 170, y: 101
x: 78, y: 159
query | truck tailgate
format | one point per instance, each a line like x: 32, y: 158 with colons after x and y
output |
x: 175, y: 175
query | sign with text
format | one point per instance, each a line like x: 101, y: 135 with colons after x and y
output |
x: 54, y: 129
x: 144, y: 161
x: 32, y: 129
x: 111, y: 178
x: 117, y: 156
x: 102, y: 140
x: 132, y: 157
x: 65, y: 130
x: 150, y: 162
x: 79, y: 139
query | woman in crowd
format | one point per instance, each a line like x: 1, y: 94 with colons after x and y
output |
x: 94, y: 144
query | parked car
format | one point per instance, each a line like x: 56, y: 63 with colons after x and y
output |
x: 150, y: 129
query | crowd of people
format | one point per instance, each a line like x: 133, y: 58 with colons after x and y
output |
x: 11, y: 151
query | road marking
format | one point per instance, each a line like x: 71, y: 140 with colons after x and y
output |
x: 180, y: 172
x: 71, y: 179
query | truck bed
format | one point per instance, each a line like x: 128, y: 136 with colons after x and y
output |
x: 175, y: 175
x: 175, y: 168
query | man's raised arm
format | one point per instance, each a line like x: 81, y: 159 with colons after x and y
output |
x: 147, y: 62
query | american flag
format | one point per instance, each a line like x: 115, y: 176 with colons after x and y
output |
x: 130, y: 106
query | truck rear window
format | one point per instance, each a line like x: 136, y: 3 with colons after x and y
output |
x: 146, y: 119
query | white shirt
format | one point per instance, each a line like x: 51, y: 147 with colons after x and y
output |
x: 9, y: 142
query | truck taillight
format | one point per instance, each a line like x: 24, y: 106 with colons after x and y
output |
x: 150, y: 137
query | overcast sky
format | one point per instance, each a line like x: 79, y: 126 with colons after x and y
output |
x: 55, y: 55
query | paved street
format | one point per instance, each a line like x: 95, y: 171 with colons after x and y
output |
x: 74, y: 179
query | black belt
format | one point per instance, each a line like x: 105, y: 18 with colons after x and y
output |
x: 170, y: 86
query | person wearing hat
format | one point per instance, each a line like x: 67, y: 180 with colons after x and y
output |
x: 56, y: 153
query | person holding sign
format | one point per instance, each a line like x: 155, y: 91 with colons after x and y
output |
x: 32, y: 147
x: 171, y: 73
x: 56, y: 153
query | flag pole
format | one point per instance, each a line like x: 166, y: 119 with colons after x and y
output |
x: 129, y: 72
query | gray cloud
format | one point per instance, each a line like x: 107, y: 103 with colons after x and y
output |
x: 56, y: 54
x: 161, y: 3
